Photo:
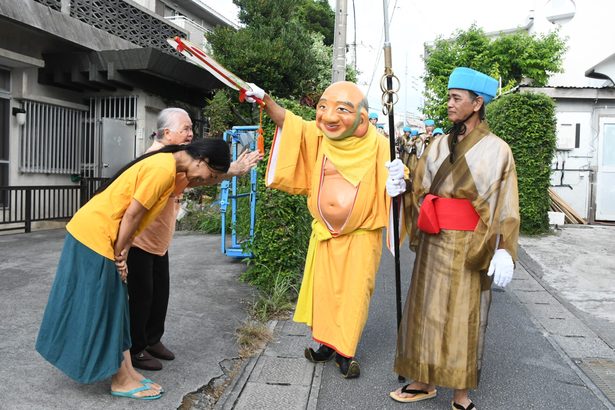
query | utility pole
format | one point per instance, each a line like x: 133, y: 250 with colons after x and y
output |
x: 339, y: 42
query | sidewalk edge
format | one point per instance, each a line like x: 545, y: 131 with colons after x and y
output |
x: 233, y: 391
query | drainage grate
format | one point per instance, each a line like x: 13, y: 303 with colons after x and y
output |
x: 602, y: 373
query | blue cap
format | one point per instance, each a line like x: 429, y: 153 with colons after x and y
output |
x: 465, y: 78
x: 429, y: 122
x: 437, y: 131
x: 414, y: 132
x: 373, y: 115
x: 406, y: 129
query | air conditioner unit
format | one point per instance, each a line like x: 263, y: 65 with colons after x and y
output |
x: 565, y: 136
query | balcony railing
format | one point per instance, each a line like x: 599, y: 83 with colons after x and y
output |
x: 123, y: 20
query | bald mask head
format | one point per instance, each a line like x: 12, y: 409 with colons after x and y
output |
x: 341, y: 111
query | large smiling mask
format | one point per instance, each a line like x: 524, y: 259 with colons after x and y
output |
x: 341, y: 111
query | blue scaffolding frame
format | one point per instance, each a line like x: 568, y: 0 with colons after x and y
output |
x: 244, y: 136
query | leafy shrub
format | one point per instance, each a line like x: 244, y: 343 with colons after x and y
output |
x: 203, y: 211
x: 283, y: 224
x: 527, y: 123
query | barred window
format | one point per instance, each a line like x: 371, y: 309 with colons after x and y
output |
x: 50, y: 139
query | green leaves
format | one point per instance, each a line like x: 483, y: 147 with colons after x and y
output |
x: 514, y: 58
x: 283, y: 225
x: 527, y: 123
x: 277, y: 49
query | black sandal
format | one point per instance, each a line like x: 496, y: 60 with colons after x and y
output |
x: 457, y: 406
x: 418, y: 395
x: 323, y: 354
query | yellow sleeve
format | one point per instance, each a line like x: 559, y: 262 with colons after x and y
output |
x: 293, y: 155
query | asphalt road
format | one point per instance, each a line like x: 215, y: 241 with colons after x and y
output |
x: 522, y: 368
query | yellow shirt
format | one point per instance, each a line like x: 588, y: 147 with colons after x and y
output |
x: 156, y: 237
x: 150, y: 181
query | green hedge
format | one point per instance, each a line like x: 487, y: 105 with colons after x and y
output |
x: 527, y: 123
x: 283, y: 224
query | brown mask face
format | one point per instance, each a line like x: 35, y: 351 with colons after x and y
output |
x: 340, y: 112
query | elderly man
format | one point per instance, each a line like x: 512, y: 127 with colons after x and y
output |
x: 465, y: 237
x: 148, y: 259
x: 338, y: 161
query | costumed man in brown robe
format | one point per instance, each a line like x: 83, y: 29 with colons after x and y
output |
x: 401, y: 142
x: 465, y: 227
x: 409, y: 158
x: 338, y: 161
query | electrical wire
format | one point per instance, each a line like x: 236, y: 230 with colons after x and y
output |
x: 377, y: 63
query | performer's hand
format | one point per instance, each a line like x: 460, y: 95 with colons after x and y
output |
x: 256, y: 92
x: 395, y: 186
x: 501, y: 267
x: 396, y: 168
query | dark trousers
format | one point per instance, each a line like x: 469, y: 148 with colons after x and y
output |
x: 148, y: 297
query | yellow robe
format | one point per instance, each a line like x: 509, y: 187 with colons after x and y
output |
x: 340, y: 271
x: 441, y: 335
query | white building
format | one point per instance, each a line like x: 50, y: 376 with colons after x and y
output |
x: 584, y: 165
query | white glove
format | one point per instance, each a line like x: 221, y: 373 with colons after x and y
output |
x: 256, y: 92
x: 395, y: 186
x: 502, y: 266
x: 396, y: 168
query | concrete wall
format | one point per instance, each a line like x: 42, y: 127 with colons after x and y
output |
x: 580, y: 164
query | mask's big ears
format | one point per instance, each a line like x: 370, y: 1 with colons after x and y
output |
x: 363, y: 123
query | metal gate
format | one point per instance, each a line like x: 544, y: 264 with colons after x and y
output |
x: 122, y: 108
x: 118, y: 145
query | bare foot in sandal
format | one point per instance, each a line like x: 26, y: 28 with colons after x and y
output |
x: 138, y: 377
x: 123, y: 385
x: 415, y: 391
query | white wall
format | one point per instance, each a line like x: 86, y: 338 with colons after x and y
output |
x: 577, y: 163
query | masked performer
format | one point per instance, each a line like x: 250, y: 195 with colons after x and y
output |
x: 338, y: 161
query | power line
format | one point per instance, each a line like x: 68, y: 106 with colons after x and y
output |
x: 377, y: 63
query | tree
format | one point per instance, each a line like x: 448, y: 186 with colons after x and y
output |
x: 277, y: 48
x: 514, y: 58
x: 317, y: 17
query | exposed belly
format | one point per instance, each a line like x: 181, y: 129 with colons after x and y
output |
x: 336, y: 198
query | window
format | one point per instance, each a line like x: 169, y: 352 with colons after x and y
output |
x: 50, y: 139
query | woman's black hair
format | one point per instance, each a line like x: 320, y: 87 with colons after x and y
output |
x: 213, y: 151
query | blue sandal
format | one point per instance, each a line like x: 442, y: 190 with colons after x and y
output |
x: 149, y: 382
x: 131, y: 394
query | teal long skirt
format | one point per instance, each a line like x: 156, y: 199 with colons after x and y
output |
x: 86, y: 327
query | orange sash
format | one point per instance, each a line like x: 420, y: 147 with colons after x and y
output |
x: 446, y: 213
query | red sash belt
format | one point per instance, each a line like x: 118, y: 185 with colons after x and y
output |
x: 446, y: 213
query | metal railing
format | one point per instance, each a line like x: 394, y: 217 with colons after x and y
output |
x: 20, y: 206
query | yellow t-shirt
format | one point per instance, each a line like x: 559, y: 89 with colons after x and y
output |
x: 150, y: 181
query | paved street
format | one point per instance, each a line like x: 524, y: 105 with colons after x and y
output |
x: 549, y: 341
x: 541, y: 351
x: 206, y: 306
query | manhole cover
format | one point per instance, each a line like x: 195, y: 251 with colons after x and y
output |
x: 602, y: 373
